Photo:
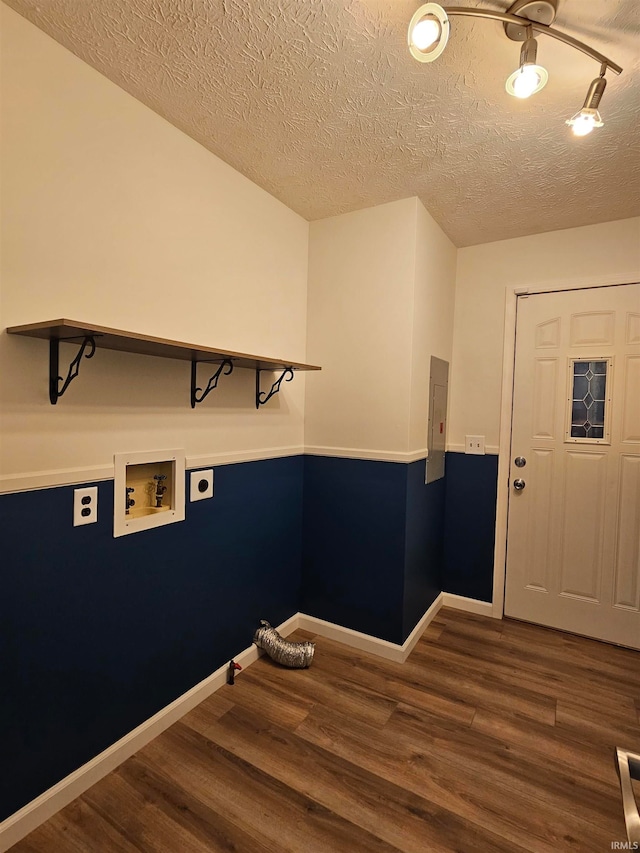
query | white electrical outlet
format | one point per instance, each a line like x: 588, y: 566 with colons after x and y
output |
x: 85, y: 506
x: 474, y: 444
x: 201, y: 485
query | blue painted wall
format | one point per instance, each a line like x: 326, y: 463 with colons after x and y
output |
x: 98, y: 633
x: 353, y: 544
x: 469, y: 525
x: 424, y: 545
x: 372, y: 544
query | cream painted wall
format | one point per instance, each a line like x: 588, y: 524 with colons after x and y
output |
x: 595, y: 254
x: 111, y: 215
x: 361, y: 274
x: 381, y: 290
x: 2, y: 324
x: 433, y: 305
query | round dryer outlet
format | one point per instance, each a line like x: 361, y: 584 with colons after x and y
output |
x: 201, y: 485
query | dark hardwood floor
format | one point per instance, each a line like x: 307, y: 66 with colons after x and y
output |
x: 493, y: 736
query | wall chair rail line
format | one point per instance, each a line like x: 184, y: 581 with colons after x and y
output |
x: 90, y: 337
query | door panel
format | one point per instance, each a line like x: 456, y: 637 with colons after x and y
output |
x: 582, y: 523
x: 538, y: 558
x: 573, y: 551
x: 627, y: 574
x: 545, y: 381
x: 592, y: 327
x: 548, y: 334
x: 631, y: 416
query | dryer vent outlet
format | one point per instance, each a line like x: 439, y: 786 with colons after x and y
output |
x: 201, y: 485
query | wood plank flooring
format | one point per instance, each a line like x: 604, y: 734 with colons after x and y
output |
x: 494, y: 737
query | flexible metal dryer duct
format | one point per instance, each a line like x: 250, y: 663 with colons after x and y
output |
x: 293, y: 655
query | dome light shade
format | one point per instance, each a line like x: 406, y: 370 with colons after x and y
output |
x: 526, y: 81
x: 428, y: 32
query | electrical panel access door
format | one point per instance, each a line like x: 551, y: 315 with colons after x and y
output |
x: 437, y: 428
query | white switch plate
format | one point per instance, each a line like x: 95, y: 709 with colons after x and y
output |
x: 85, y: 506
x: 474, y: 444
x: 201, y: 485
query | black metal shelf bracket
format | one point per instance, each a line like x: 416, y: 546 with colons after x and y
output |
x: 262, y: 396
x: 225, y: 369
x: 55, y: 389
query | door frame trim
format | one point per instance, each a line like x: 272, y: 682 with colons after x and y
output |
x: 506, y: 411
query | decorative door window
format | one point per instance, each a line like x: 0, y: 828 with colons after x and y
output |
x: 588, y: 401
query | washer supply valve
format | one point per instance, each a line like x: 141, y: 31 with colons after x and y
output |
x: 160, y: 489
x: 130, y: 501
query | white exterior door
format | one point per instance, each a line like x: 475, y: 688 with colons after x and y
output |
x: 573, y: 551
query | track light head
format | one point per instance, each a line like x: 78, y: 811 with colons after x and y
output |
x: 583, y: 122
x: 428, y: 32
x: 530, y: 77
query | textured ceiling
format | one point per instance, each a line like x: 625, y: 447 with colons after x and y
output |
x: 321, y: 104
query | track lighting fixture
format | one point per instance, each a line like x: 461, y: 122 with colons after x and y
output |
x: 523, y: 21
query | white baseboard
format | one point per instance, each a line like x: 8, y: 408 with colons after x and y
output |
x: 366, y: 642
x: 28, y: 818
x: 471, y: 605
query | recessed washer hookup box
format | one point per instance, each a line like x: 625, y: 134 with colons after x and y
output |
x: 148, y: 490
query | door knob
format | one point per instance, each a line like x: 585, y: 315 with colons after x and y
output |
x: 519, y: 485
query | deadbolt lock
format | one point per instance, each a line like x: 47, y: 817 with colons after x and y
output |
x: 520, y: 461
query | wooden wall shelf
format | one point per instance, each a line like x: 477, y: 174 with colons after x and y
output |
x: 90, y: 337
